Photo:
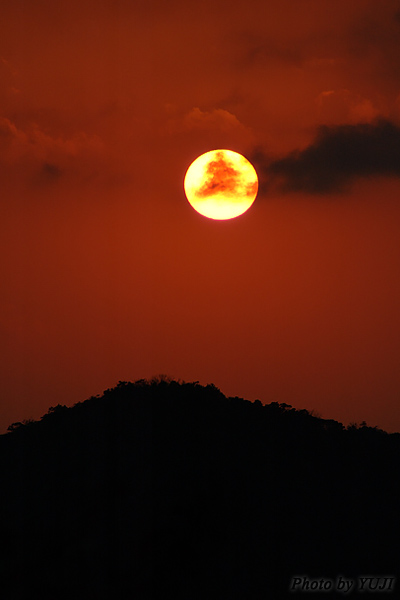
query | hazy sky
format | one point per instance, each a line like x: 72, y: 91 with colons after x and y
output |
x: 107, y: 272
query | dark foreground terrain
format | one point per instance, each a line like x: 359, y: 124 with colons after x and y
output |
x: 171, y: 490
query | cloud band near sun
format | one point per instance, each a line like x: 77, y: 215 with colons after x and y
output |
x: 338, y: 156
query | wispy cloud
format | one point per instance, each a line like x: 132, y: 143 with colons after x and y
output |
x: 35, y: 153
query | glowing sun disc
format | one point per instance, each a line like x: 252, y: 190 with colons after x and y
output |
x: 221, y: 184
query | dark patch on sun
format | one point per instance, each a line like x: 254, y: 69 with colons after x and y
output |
x: 251, y: 189
x: 220, y: 177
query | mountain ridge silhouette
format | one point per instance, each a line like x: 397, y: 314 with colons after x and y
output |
x: 162, y: 488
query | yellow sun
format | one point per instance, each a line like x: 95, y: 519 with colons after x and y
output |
x: 221, y: 184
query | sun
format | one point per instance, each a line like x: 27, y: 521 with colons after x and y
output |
x: 221, y: 184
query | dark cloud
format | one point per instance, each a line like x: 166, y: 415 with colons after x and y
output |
x: 51, y: 171
x: 374, y: 42
x: 338, y: 156
x: 260, y: 50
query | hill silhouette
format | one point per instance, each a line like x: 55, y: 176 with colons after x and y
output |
x: 163, y: 489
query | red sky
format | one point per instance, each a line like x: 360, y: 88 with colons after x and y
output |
x: 107, y: 272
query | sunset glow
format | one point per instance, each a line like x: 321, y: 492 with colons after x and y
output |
x: 108, y: 273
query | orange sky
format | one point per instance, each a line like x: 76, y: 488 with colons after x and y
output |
x: 107, y: 272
